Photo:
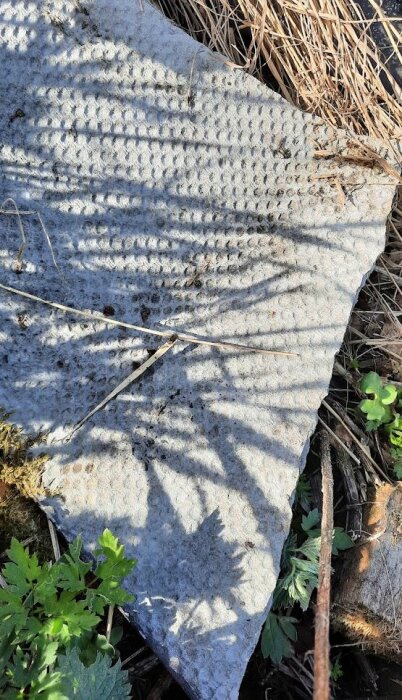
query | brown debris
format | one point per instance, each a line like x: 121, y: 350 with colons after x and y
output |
x: 368, y: 604
x: 18, y: 466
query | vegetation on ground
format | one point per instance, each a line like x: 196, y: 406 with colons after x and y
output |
x: 297, y: 582
x: 50, y: 646
x: 383, y: 410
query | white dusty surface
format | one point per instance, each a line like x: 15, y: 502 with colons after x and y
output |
x: 178, y: 191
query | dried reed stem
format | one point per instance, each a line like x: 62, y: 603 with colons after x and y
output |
x: 183, y: 337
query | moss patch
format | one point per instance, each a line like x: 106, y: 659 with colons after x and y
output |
x: 18, y: 466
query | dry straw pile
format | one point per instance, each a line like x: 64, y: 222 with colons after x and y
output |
x: 320, y: 54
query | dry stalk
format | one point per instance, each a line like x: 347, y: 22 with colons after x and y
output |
x: 321, y: 641
x: 109, y: 622
x: 54, y: 539
x: 363, y: 450
x: 94, y: 316
x: 19, y: 213
x: 337, y: 439
x: 132, y: 377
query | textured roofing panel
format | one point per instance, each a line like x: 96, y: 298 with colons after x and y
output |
x: 185, y: 195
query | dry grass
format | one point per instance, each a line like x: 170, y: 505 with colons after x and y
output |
x: 18, y: 466
x: 373, y: 633
x: 320, y: 54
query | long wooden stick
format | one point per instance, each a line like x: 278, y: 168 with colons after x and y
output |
x: 321, y: 640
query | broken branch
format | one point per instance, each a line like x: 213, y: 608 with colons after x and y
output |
x: 321, y: 641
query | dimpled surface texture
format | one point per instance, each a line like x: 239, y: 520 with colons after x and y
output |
x: 177, y: 193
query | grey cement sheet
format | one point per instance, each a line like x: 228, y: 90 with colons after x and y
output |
x: 185, y: 195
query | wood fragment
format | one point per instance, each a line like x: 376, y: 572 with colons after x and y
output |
x: 354, y: 510
x: 368, y: 602
x: 321, y: 637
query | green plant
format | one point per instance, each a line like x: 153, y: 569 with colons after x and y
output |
x: 303, y: 493
x: 279, y: 633
x: 300, y: 565
x: 336, y: 670
x: 99, y: 681
x: 396, y: 454
x: 381, y: 411
x: 378, y: 409
x: 48, y: 619
x: 354, y: 363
